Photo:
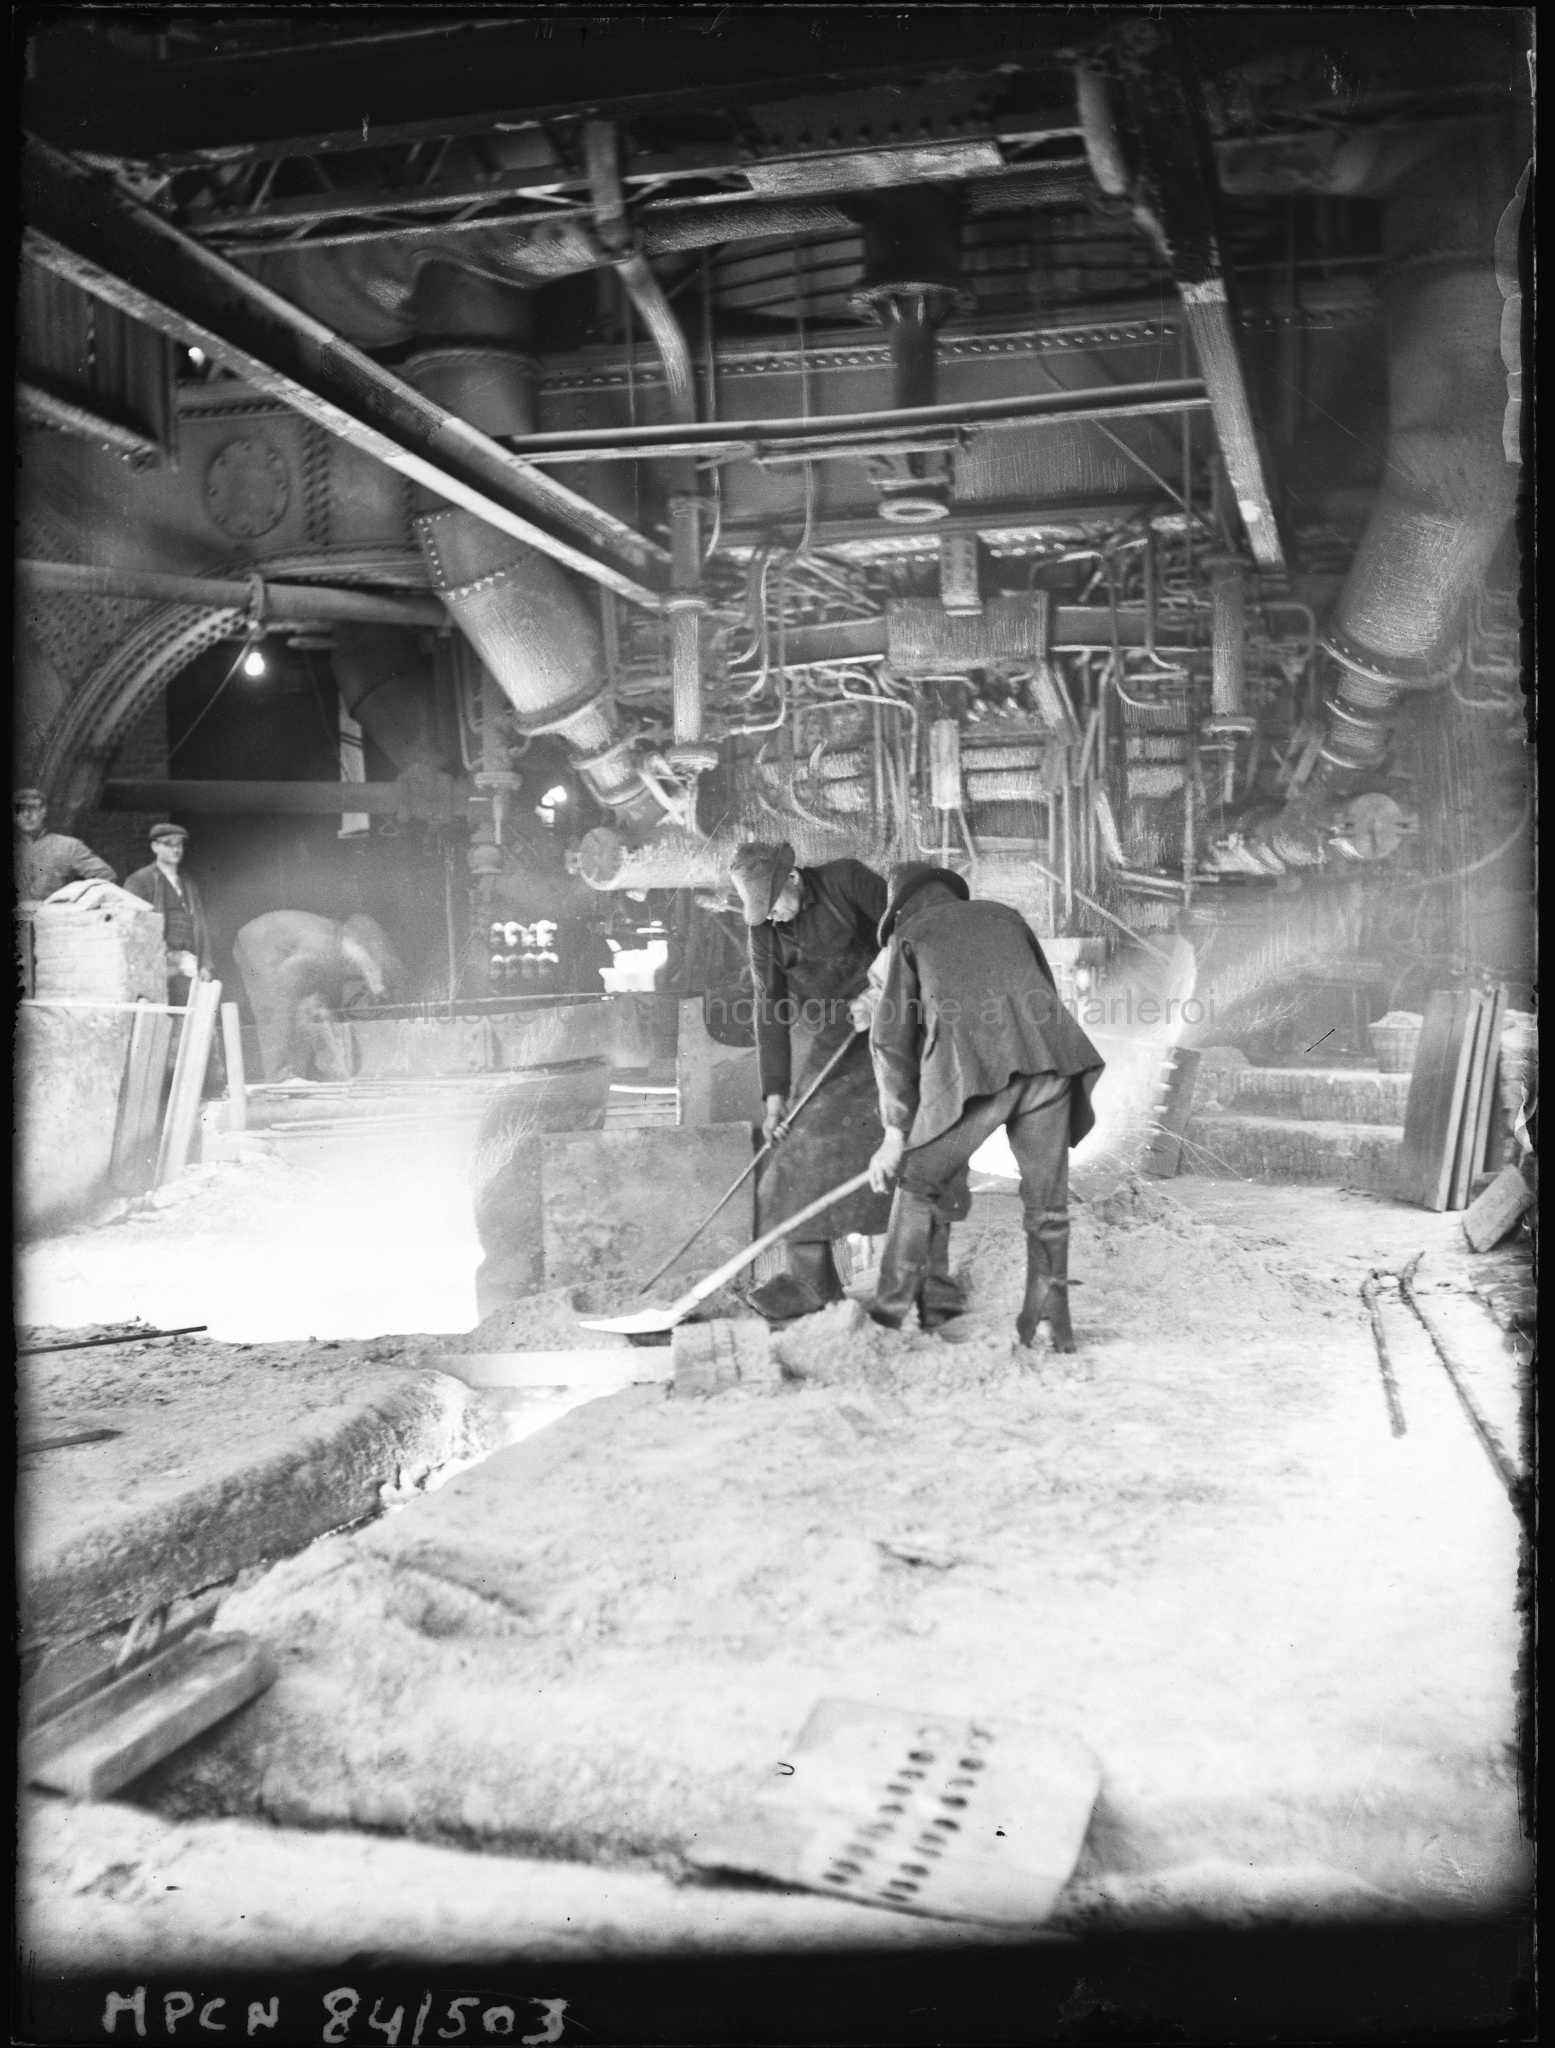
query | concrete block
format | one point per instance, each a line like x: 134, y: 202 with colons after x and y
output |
x: 618, y: 1202
x: 68, y: 1075
x: 1282, y: 1149
x: 1346, y: 1095
x: 719, y: 1084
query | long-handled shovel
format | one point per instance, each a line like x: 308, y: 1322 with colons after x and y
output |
x: 729, y: 1193
x: 645, y: 1321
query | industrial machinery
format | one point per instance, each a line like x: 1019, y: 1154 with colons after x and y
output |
x: 1078, y: 449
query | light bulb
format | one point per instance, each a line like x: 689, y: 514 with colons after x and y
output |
x: 253, y: 663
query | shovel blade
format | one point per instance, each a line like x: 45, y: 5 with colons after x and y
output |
x: 642, y: 1322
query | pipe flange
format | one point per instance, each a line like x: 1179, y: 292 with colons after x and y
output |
x: 941, y: 297
x: 684, y: 601
x: 558, y: 715
x: 1401, y: 676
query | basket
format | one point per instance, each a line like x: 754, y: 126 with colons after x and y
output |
x: 1394, y: 1041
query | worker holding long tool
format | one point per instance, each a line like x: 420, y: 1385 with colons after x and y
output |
x: 812, y: 940
x: 969, y: 1037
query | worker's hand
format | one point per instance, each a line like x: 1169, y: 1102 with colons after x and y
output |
x: 186, y: 964
x: 883, y: 1167
x: 205, y: 974
x: 776, y: 1104
x: 861, y: 1011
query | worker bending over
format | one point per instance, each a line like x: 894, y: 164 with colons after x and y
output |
x: 969, y: 1037
x: 812, y: 938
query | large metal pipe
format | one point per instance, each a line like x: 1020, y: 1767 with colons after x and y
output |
x: 1228, y: 631
x: 522, y: 614
x: 288, y: 604
x: 1448, y: 489
x: 385, y: 683
x: 601, y: 143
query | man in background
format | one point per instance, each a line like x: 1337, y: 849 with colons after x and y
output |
x: 167, y: 889
x: 46, y: 861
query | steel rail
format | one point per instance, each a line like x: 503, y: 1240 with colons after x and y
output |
x: 837, y: 432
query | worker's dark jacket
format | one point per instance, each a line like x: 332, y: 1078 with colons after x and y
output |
x: 183, y: 921
x: 969, y: 1002
x: 805, y: 975
x: 51, y: 860
x: 809, y: 970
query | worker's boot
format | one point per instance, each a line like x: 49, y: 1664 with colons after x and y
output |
x: 905, y: 1260
x: 810, y: 1282
x: 1047, y: 1280
x: 941, y: 1295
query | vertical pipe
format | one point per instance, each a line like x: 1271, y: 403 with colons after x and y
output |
x: 1187, y: 448
x: 232, y: 1048
x: 1228, y: 649
x: 1068, y: 858
x: 1052, y: 860
x: 1188, y: 829
x: 453, y: 933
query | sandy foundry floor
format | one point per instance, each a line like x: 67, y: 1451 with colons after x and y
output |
x: 1290, y: 1638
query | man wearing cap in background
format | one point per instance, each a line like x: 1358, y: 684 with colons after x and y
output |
x: 812, y: 939
x: 46, y: 861
x: 184, y: 929
x: 969, y: 1037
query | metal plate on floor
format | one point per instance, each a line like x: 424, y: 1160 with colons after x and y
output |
x: 934, y: 1814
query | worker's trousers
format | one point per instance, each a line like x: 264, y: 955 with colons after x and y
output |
x: 1034, y: 1110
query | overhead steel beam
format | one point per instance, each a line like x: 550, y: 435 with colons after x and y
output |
x: 68, y: 417
x: 839, y: 434
x: 1180, y: 180
x: 262, y: 799
x: 469, y: 76
x: 83, y: 228
x: 285, y: 604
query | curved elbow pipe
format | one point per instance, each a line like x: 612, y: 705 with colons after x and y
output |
x: 1448, y: 490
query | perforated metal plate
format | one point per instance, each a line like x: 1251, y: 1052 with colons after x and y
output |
x: 956, y: 1819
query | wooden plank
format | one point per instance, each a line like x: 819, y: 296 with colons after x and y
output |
x: 1489, y: 1081
x: 1468, y: 1115
x: 132, y: 1097
x: 625, y: 1365
x: 1487, y: 1220
x: 1169, y: 1118
x: 237, y: 1087
x: 183, y: 1108
x: 114, y: 1736
x: 1435, y: 1102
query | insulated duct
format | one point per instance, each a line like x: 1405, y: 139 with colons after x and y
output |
x: 522, y: 613
x: 601, y: 142
x: 1448, y: 490
x: 385, y: 684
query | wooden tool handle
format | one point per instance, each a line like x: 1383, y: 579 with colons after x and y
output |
x: 730, y: 1267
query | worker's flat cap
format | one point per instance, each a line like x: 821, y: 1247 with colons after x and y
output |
x: 26, y: 796
x: 904, y: 882
x: 168, y: 832
x: 759, y: 872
